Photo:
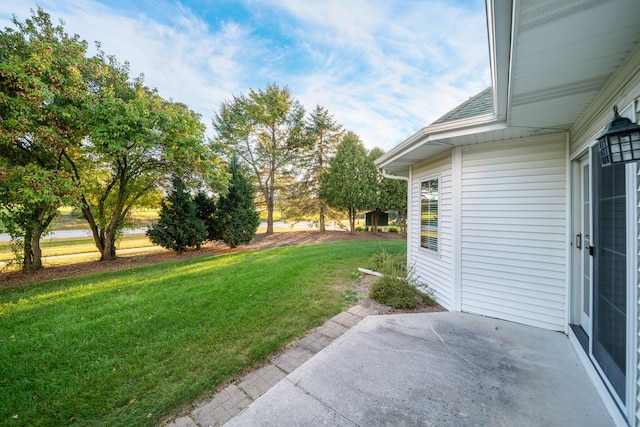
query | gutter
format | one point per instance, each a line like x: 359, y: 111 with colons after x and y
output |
x: 387, y: 175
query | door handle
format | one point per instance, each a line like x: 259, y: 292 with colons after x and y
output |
x: 592, y: 250
x: 579, y: 241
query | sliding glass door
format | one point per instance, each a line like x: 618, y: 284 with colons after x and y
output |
x: 609, y: 252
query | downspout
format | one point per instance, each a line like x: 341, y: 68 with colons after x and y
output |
x: 408, y: 179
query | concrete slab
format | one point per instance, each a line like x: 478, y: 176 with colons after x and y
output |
x: 440, y: 369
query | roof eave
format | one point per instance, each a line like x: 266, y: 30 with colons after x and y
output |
x: 437, y: 132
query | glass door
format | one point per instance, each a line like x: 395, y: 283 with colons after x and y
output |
x: 609, y: 334
x: 583, y: 244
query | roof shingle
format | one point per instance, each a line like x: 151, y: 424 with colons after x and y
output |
x: 478, y: 105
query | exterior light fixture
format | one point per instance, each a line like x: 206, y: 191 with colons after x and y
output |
x: 620, y: 142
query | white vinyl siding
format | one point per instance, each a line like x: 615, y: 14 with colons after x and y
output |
x: 431, y: 268
x: 513, y: 256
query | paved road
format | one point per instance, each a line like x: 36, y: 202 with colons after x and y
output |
x: 69, y: 234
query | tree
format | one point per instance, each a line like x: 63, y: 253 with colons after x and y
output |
x: 205, y: 211
x: 178, y: 227
x: 236, y: 218
x: 349, y: 183
x: 42, y: 90
x: 303, y: 197
x: 388, y: 194
x: 136, y: 141
x: 265, y: 131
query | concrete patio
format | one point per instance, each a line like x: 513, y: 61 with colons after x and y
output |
x: 439, y: 369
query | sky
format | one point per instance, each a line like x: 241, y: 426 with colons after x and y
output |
x: 383, y: 68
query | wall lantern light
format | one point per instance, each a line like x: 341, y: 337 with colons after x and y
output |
x: 620, y: 142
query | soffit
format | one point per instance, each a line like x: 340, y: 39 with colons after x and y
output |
x: 563, y: 53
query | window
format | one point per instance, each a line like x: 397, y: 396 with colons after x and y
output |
x: 429, y: 230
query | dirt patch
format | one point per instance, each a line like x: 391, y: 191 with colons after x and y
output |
x: 262, y: 241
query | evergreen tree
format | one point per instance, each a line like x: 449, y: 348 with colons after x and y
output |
x: 236, y: 217
x: 178, y: 227
x: 389, y: 194
x: 303, y: 196
x: 349, y: 184
x: 205, y: 211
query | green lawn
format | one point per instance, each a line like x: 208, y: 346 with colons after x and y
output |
x: 133, y: 347
x: 80, y: 245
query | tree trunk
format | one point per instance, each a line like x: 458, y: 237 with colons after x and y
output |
x: 109, y: 251
x: 270, y: 214
x: 270, y: 191
x: 95, y: 231
x: 32, y: 251
x: 352, y: 220
x: 27, y: 256
x: 36, y: 250
x: 321, y: 221
x: 374, y: 221
x: 402, y: 219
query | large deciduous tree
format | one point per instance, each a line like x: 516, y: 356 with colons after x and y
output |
x: 42, y: 90
x: 303, y: 198
x: 137, y: 140
x: 265, y: 131
x: 349, y: 184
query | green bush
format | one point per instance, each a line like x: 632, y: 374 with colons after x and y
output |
x: 178, y: 227
x: 397, y: 287
x: 392, y: 230
x: 236, y: 219
x: 360, y: 228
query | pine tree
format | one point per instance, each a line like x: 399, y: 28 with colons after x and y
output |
x: 389, y: 194
x: 236, y: 218
x: 205, y: 211
x: 303, y: 198
x: 349, y: 184
x: 178, y: 227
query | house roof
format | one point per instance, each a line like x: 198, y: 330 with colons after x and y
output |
x: 551, y: 63
x: 478, y: 105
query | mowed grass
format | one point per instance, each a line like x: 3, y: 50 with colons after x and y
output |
x: 132, y: 347
x: 79, y: 245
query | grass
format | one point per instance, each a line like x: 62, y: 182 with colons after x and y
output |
x: 80, y: 245
x: 133, y: 347
x: 397, y: 287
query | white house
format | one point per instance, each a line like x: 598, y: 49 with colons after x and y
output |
x: 511, y: 214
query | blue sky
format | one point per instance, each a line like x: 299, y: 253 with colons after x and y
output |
x: 384, y: 69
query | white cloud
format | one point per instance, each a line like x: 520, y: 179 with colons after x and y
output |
x: 384, y: 69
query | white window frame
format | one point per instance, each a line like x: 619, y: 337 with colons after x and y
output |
x: 423, y: 249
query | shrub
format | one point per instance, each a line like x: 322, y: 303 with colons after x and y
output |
x: 392, y: 230
x: 236, y: 219
x: 178, y: 227
x: 397, y: 287
x: 205, y: 211
x: 360, y: 228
